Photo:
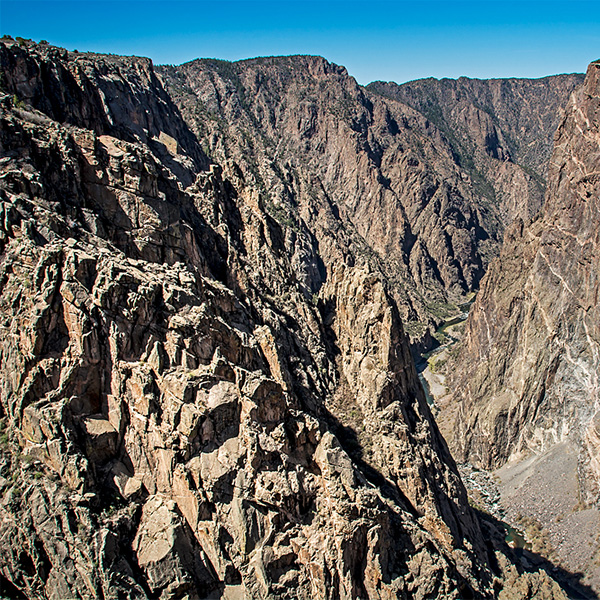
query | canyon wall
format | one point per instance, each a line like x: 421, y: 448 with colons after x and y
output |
x: 416, y: 204
x: 170, y: 384
x: 529, y: 364
x: 500, y: 130
x: 206, y: 389
x: 525, y: 380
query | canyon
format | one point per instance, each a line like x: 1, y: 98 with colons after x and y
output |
x: 526, y: 379
x: 214, y: 279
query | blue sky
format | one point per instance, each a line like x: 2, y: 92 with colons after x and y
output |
x: 378, y: 39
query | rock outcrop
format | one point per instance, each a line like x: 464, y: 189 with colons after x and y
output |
x: 527, y: 375
x: 202, y: 394
x: 181, y: 417
x: 500, y: 130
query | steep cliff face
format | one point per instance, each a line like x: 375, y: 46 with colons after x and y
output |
x: 528, y: 372
x: 328, y: 156
x: 181, y: 417
x: 501, y: 131
x: 411, y: 198
x: 114, y: 95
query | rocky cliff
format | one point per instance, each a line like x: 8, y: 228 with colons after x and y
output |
x: 420, y: 209
x: 181, y: 418
x: 527, y: 379
x: 500, y: 130
x: 199, y: 399
x: 316, y: 144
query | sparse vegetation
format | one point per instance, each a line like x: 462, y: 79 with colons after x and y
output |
x: 442, y: 338
x: 415, y: 329
x: 437, y: 366
x: 17, y: 102
x: 537, y: 536
x: 442, y: 310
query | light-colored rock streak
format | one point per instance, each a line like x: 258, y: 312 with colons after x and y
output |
x: 556, y: 274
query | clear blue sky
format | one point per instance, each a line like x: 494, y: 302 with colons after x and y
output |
x: 377, y: 39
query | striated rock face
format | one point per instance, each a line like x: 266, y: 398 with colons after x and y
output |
x: 383, y: 178
x: 500, y: 130
x: 533, y: 326
x: 386, y: 179
x: 527, y: 380
x: 181, y: 417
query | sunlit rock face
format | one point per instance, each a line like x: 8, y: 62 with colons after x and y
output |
x: 172, y: 389
x: 533, y: 333
x: 204, y: 393
x: 527, y: 375
x: 501, y: 132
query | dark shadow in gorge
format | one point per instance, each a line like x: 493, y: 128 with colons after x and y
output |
x: 571, y: 583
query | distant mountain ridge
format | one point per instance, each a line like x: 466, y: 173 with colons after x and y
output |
x: 429, y: 201
x: 508, y: 120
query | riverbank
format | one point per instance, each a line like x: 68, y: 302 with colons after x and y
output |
x: 431, y: 368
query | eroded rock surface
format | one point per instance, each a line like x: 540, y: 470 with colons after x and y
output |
x: 528, y: 375
x: 168, y: 381
x: 422, y: 206
x: 197, y: 399
x: 501, y: 131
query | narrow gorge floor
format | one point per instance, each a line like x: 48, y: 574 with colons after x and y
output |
x: 535, y: 497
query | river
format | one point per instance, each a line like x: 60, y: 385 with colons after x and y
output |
x: 432, y: 380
